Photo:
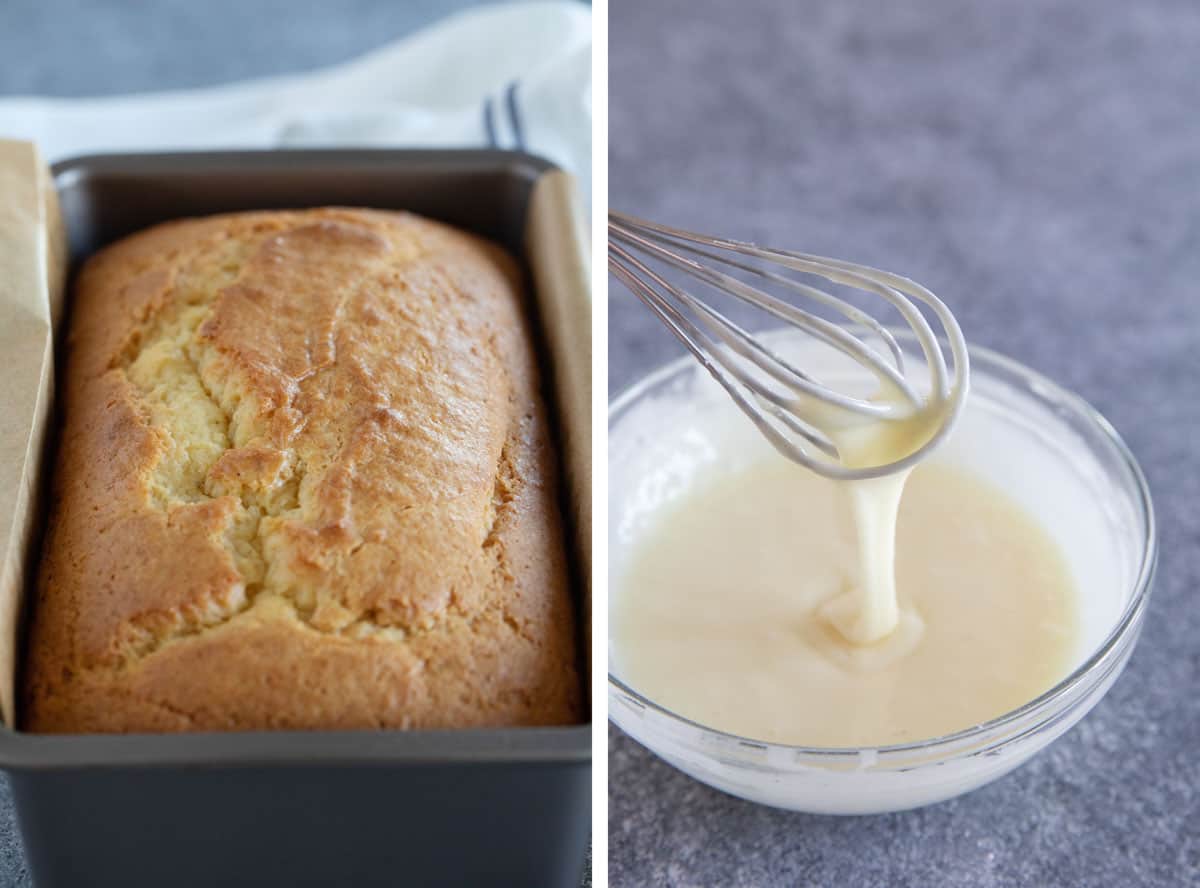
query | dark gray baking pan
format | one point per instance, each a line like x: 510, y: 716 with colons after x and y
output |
x: 509, y: 807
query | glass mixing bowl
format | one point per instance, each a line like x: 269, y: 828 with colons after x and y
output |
x: 1047, y: 448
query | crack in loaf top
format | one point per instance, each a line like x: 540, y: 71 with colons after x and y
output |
x: 296, y: 438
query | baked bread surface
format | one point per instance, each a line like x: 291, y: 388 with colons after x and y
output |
x: 305, y: 481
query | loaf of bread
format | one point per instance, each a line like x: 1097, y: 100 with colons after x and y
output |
x: 305, y: 480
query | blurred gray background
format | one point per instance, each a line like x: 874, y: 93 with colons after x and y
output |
x: 81, y: 48
x: 1037, y: 164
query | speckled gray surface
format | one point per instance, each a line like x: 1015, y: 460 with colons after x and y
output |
x: 1038, y: 165
x: 108, y: 47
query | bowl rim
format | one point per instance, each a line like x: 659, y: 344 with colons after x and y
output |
x: 1129, y: 619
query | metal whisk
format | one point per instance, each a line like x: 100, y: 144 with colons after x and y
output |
x: 790, y: 407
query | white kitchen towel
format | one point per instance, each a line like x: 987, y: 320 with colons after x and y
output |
x: 509, y: 76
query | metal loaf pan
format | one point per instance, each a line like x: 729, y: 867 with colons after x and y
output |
x: 370, y: 808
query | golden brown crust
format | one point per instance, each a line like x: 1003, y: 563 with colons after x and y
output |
x: 305, y: 481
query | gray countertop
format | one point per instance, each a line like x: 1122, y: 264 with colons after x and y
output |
x: 1038, y: 165
x: 109, y: 47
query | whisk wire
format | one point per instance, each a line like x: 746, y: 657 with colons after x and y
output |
x: 743, y: 365
x: 852, y: 313
x: 627, y: 267
x: 826, y: 331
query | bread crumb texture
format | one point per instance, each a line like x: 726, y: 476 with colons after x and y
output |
x: 304, y: 481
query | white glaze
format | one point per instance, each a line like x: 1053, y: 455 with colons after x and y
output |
x: 722, y: 612
x: 682, y: 442
x: 1036, y: 444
